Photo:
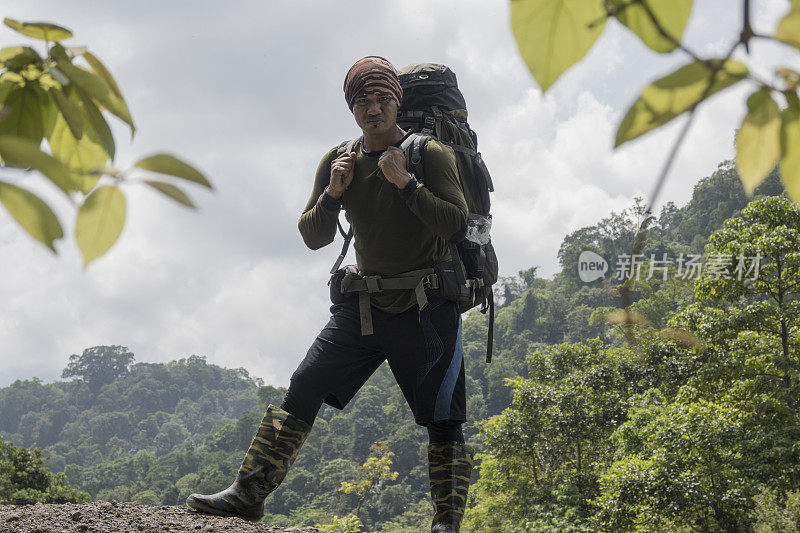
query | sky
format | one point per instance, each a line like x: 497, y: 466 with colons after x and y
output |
x: 251, y: 94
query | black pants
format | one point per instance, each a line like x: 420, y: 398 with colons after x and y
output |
x: 424, y: 353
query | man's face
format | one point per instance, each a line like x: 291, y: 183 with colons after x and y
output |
x: 375, y: 112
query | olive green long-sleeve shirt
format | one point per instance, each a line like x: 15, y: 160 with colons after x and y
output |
x: 394, y: 230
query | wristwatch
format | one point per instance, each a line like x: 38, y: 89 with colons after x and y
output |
x: 329, y: 201
x: 410, y: 186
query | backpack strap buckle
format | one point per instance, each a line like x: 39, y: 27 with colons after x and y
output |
x: 372, y: 283
x: 431, y: 281
x: 430, y: 123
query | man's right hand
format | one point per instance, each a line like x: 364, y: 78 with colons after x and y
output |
x: 341, y: 174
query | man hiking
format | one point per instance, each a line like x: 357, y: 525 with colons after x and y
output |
x: 401, y: 229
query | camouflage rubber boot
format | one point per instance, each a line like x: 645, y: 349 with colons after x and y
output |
x: 266, y: 463
x: 449, y: 467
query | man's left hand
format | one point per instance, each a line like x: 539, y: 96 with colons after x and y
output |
x: 393, y: 165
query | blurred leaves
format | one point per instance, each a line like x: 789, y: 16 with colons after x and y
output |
x: 99, y: 124
x: 789, y: 28
x: 16, y: 58
x: 83, y: 155
x: 19, y: 151
x: 99, y: 222
x: 553, y: 35
x: 24, y: 108
x: 70, y: 111
x: 32, y: 214
x: 172, y: 192
x: 172, y: 166
x: 39, y: 30
x: 50, y: 97
x: 93, y: 85
x: 671, y: 17
x: 103, y: 72
x: 790, y: 147
x: 758, y: 142
x: 677, y: 93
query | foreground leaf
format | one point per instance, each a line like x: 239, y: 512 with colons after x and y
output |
x: 789, y: 28
x: 675, y: 94
x: 39, y: 30
x: 93, y: 85
x: 99, y: 124
x: 59, y: 76
x: 790, y: 147
x: 172, y: 192
x: 672, y: 16
x: 31, y: 213
x: 80, y: 155
x: 100, y: 222
x: 685, y: 337
x: 17, y: 57
x: 24, y: 114
x: 6, y: 87
x: 76, y: 50
x: 758, y: 140
x: 172, y: 166
x: 70, y: 111
x: 621, y: 316
x: 103, y: 72
x: 553, y: 35
x: 790, y: 76
x: 19, y: 151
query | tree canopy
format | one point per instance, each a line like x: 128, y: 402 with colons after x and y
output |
x: 99, y: 365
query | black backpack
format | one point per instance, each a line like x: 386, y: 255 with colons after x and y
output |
x: 433, y: 107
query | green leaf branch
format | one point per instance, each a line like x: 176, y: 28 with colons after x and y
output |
x: 53, y: 121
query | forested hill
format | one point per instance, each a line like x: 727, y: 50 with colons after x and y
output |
x: 153, y: 433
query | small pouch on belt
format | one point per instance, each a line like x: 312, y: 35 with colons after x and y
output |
x: 337, y: 282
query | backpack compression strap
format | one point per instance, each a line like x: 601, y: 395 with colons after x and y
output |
x: 490, y: 336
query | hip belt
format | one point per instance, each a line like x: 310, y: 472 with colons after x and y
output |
x: 351, y: 281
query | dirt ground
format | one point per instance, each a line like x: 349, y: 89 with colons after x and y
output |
x: 113, y: 517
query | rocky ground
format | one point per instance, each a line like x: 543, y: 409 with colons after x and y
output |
x: 113, y: 517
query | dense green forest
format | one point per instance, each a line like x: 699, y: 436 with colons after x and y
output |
x: 693, y: 426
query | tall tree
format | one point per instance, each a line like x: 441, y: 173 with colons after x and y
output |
x: 99, y: 365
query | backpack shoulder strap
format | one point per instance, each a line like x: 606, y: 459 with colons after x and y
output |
x: 413, y: 147
x: 344, y: 147
x: 347, y: 146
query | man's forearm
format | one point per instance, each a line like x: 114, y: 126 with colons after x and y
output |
x: 444, y: 218
x: 318, y: 224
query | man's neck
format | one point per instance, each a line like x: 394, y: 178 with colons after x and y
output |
x: 376, y: 143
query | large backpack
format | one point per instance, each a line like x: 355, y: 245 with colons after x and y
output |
x: 433, y: 107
